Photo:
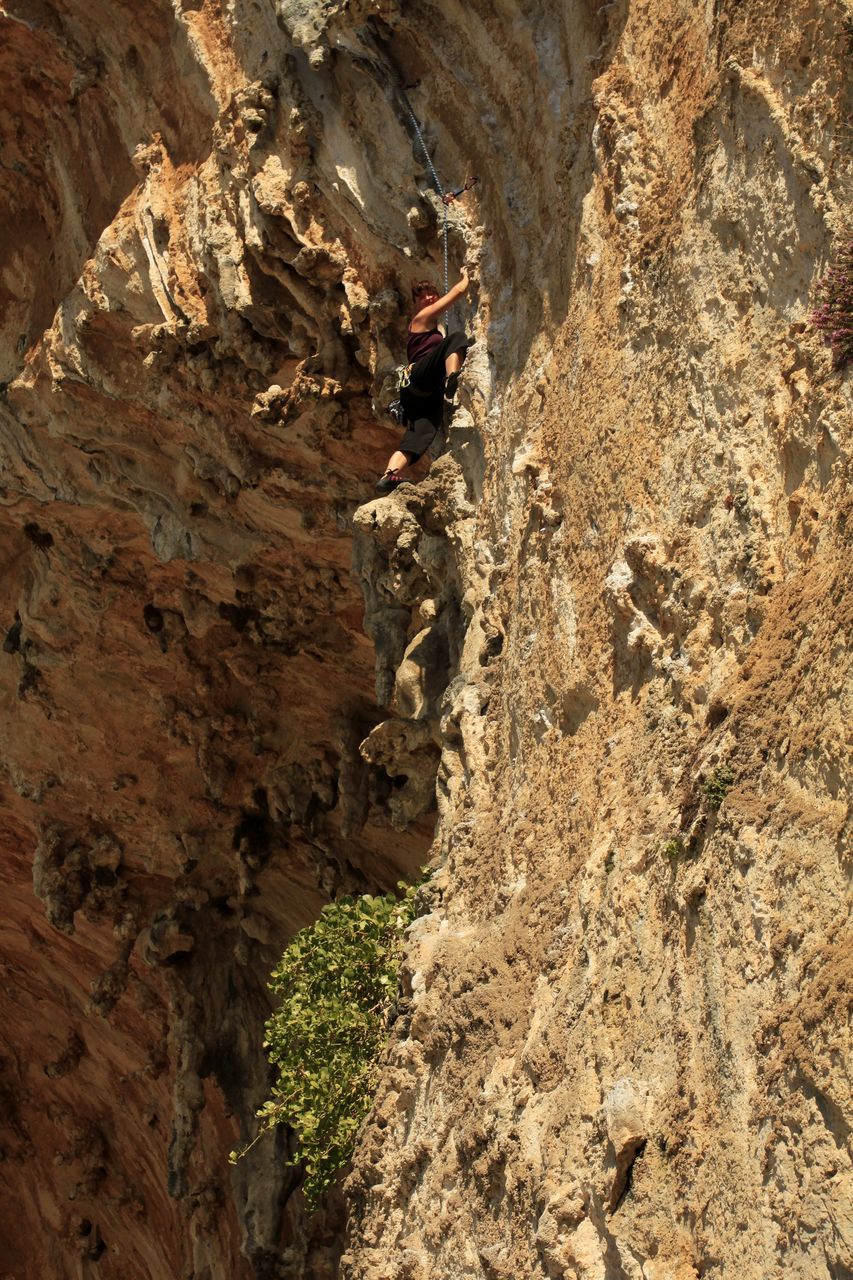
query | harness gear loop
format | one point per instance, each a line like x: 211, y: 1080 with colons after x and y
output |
x: 404, y: 382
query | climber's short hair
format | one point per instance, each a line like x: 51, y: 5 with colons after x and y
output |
x: 420, y: 287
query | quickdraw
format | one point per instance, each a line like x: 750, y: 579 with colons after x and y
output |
x: 454, y: 195
x: 404, y: 382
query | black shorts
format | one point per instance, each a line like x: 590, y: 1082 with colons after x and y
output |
x: 423, y: 399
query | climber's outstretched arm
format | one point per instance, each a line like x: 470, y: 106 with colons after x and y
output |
x: 425, y: 318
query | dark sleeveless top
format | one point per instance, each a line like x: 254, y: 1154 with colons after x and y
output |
x: 420, y: 344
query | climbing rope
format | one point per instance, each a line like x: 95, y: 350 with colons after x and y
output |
x: 439, y: 188
x: 447, y: 198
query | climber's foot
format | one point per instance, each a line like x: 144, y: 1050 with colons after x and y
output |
x: 389, y: 481
x: 450, y: 386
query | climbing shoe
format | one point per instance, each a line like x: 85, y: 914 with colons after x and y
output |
x: 389, y: 481
x: 450, y: 387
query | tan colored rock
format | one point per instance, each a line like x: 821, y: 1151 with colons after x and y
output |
x: 190, y: 350
x: 644, y: 613
x: 621, y: 1037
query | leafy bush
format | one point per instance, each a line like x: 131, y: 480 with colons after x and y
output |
x: 673, y: 849
x: 335, y: 983
x: 834, y: 314
x: 718, y: 786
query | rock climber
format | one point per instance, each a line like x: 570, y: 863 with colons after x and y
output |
x: 430, y: 379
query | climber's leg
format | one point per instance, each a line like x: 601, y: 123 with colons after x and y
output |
x: 452, y: 365
x: 428, y: 374
x: 393, y: 473
x: 458, y: 349
x: 400, y: 460
x: 416, y: 441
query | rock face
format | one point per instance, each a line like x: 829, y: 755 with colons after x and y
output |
x: 611, y: 632
x: 624, y: 1051
x: 193, y: 332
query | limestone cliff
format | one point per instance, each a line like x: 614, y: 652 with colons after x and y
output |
x: 611, y: 631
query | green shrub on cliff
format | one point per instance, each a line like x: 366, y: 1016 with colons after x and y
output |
x: 717, y: 787
x: 335, y: 984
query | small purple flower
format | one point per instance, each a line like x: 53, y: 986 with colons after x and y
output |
x: 833, y: 316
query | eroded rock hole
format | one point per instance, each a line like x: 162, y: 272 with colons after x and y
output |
x: 254, y: 832
x: 38, y: 537
x: 153, y: 618
x: 28, y: 681
x: 239, y: 616
x: 12, y: 643
x: 623, y: 1186
x: 717, y: 713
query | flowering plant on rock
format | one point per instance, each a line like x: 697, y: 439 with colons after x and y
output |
x: 834, y: 314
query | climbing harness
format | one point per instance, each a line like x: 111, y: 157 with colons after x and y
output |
x: 404, y: 382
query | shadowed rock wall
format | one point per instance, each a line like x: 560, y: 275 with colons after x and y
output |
x: 197, y: 313
x: 620, y: 597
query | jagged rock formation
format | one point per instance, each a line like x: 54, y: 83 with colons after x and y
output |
x: 196, y: 318
x: 625, y: 1047
x: 610, y: 630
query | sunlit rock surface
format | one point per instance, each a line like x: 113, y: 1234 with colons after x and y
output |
x: 606, y: 643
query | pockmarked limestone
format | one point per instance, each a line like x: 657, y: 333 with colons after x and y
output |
x: 597, y: 652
